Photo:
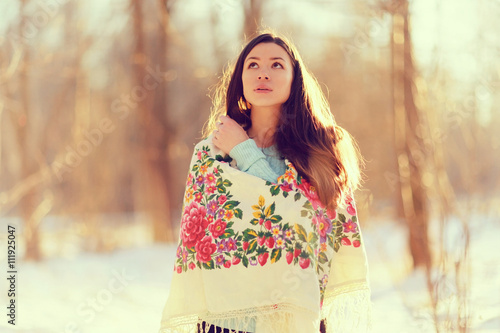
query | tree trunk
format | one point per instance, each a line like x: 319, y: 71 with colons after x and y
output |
x: 28, y: 165
x: 410, y: 147
x: 253, y: 13
x: 153, y: 174
x: 162, y: 137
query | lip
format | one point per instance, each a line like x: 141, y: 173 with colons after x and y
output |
x: 262, y: 89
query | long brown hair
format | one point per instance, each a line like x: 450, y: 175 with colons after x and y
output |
x: 307, y: 135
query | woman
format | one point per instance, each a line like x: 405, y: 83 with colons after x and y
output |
x: 293, y: 115
x: 270, y: 188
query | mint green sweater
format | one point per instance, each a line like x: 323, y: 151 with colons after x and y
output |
x: 265, y: 163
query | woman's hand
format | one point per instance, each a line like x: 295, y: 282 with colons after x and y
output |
x: 228, y: 134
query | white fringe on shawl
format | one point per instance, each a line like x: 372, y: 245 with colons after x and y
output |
x: 275, y: 294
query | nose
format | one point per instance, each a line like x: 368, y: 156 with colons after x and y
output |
x: 264, y: 76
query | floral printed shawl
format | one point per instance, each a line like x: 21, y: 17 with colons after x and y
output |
x: 262, y: 257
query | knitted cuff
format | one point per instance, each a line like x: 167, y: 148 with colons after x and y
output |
x: 246, y: 154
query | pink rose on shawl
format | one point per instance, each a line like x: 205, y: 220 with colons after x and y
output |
x: 217, y: 228
x: 193, y: 224
x: 356, y: 243
x: 189, y: 181
x: 210, y: 179
x: 222, y: 199
x: 310, y: 193
x: 351, y: 210
x: 350, y: 226
x: 211, y: 189
x: 191, y: 265
x: 324, y: 226
x: 198, y: 196
x: 204, y: 249
x: 286, y: 187
x: 179, y: 269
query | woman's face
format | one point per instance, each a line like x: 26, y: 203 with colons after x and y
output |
x: 267, y: 76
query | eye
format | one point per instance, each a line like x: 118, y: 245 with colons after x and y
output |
x: 277, y: 65
x: 253, y: 65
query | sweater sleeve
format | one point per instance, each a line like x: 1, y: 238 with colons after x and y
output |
x: 249, y: 158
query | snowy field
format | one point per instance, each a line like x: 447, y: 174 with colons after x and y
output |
x: 125, y: 290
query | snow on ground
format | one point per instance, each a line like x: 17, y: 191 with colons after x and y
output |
x: 125, y: 290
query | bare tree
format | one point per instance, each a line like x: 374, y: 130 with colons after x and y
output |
x: 154, y: 130
x: 164, y: 134
x: 253, y: 14
x: 410, y: 148
x: 30, y: 210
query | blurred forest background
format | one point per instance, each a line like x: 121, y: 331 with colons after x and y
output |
x: 101, y: 103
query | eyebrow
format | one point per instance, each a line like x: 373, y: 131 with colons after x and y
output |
x: 273, y: 58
